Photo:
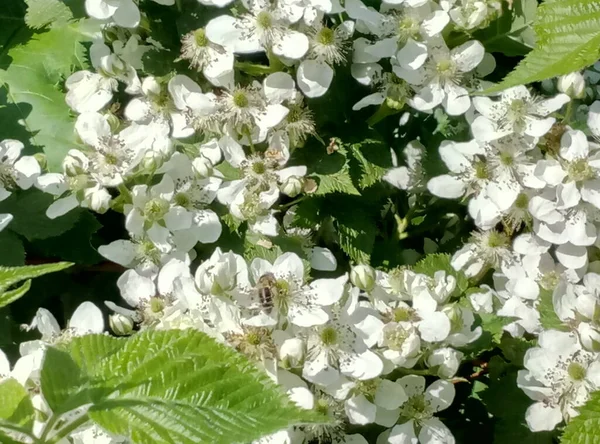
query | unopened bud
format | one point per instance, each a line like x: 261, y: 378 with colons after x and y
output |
x: 113, y: 121
x: 572, y: 84
x: 202, y: 166
x: 97, y: 199
x: 121, y: 325
x: 310, y: 186
x: 548, y: 86
x: 41, y: 159
x: 590, y: 338
x: 363, y: 277
x: 292, y: 186
x: 75, y: 163
x: 152, y: 161
x: 292, y: 352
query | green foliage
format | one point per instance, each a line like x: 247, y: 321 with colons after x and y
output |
x: 10, y: 276
x: 141, y: 386
x: 30, y: 220
x: 16, y: 410
x: 47, y: 12
x: 332, y: 172
x: 568, y: 39
x: 511, y: 34
x: 585, y: 428
x: 34, y: 72
x: 374, y: 159
x: 12, y: 248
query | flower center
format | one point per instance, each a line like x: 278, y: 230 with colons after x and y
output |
x: 156, y: 305
x: 517, y: 110
x: 497, y: 239
x: 416, y: 407
x: 368, y: 388
x: 481, y: 170
x: 507, y: 159
x: 148, y: 251
x: 402, y: 314
x: 259, y: 168
x: 264, y: 20
x: 407, y: 27
x: 200, y: 37
x: 445, y: 69
x: 326, y: 37
x: 395, y: 339
x: 156, y: 208
x: 579, y: 170
x: 576, y: 371
x: 240, y: 99
x: 329, y: 336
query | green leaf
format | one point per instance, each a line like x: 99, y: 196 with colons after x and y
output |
x: 61, y: 379
x: 585, y: 428
x: 45, y: 12
x: 12, y: 275
x: 356, y: 236
x: 494, y: 324
x: 33, y: 73
x: 9, y: 297
x: 180, y: 386
x: 16, y: 407
x: 30, y: 220
x: 332, y: 173
x: 441, y: 261
x: 228, y: 171
x: 511, y: 33
x: 568, y: 39
x: 374, y: 160
x: 12, y: 248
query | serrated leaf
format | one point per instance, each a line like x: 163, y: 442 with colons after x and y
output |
x: 332, y: 173
x: 494, y: 325
x: 367, y: 153
x: 441, y: 261
x: 45, y: 12
x: 16, y: 407
x: 585, y: 428
x: 8, y: 297
x: 33, y: 73
x: 12, y: 275
x: 356, y: 237
x: 60, y: 378
x: 568, y: 39
x: 181, y: 386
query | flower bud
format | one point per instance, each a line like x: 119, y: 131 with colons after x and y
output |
x: 292, y: 186
x: 202, y: 166
x: 292, y: 352
x: 97, y: 199
x: 152, y: 161
x: 363, y: 277
x: 121, y: 325
x: 113, y: 121
x: 75, y: 163
x: 548, y: 86
x: 572, y: 84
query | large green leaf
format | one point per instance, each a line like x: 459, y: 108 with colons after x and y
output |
x: 169, y: 386
x: 34, y: 73
x: 585, y: 428
x: 568, y: 39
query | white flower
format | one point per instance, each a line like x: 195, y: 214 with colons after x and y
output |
x: 124, y: 13
x: 486, y: 249
x: 376, y: 400
x: 301, y: 304
x: 559, y: 376
x: 437, y: 81
x: 194, y: 109
x: 263, y: 28
x: 215, y: 61
x: 470, y: 14
x: 422, y: 404
x: 88, y: 91
x: 22, y: 370
x: 401, y: 343
x: 86, y: 319
x: 516, y: 112
x: 93, y: 434
x: 339, y: 346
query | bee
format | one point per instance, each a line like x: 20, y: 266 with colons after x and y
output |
x: 267, y: 290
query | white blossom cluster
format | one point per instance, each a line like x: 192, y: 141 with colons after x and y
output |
x: 356, y: 347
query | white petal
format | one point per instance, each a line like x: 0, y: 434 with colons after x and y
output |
x: 5, y: 220
x: 279, y: 87
x: 289, y: 265
x: 121, y: 252
x: 572, y: 256
x: 435, y: 327
x: 435, y: 432
x: 440, y: 395
x: 403, y: 434
x: 540, y: 417
x: 446, y: 186
x: 468, y: 55
x: 230, y: 33
x: 86, y: 319
x: 292, y: 44
x: 207, y: 226
x: 62, y: 206
x: 322, y: 259
x: 329, y: 291
x: 390, y: 395
x: 314, y: 78
x: 135, y: 288
x: 127, y: 14
x: 412, y: 55
x: 371, y: 99
x: 359, y: 410
x: 593, y: 121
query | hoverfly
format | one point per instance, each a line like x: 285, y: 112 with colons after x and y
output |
x: 267, y: 290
